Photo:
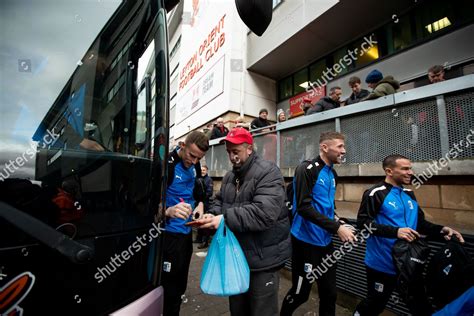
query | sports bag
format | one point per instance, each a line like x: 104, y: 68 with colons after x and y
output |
x: 449, y: 273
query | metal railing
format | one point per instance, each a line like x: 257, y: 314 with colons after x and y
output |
x: 423, y: 124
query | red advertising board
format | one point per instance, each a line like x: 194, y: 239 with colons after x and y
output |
x: 296, y: 102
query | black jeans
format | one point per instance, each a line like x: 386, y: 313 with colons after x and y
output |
x: 262, y: 297
x: 380, y: 286
x: 177, y: 252
x: 305, y: 258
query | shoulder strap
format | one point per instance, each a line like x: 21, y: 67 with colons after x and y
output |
x: 314, y: 171
x: 171, y: 166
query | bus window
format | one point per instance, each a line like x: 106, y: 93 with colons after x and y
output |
x: 78, y: 155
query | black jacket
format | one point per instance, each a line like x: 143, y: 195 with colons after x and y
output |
x: 259, y: 123
x: 252, y: 200
x: 218, y: 133
x: 323, y: 104
x: 355, y: 98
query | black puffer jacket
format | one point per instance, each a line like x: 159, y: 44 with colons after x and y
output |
x: 323, y: 104
x: 256, y: 214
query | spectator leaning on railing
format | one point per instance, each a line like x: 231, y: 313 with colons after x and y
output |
x: 261, y: 120
x: 358, y: 94
x: 219, y: 130
x: 327, y: 103
x: 436, y: 74
x: 381, y: 86
x: 240, y: 122
x: 281, y: 117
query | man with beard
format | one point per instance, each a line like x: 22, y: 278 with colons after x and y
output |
x: 314, y: 223
x: 251, y: 201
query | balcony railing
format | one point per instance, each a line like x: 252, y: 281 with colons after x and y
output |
x: 424, y: 124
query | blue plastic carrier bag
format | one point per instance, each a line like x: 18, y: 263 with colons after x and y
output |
x: 226, y: 271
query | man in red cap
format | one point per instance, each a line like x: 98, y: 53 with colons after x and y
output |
x: 251, y: 202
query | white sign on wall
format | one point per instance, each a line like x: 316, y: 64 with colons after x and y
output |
x: 204, y: 54
x: 206, y: 89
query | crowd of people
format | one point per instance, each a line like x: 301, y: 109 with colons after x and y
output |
x: 252, y: 201
x: 380, y: 86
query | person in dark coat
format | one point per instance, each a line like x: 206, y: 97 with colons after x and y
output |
x: 251, y: 201
x: 204, y: 234
x: 261, y: 120
x: 381, y: 85
x: 358, y: 94
x: 327, y: 103
x: 219, y: 129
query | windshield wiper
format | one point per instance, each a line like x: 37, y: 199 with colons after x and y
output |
x: 74, y: 251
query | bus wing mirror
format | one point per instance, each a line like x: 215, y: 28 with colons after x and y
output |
x: 256, y: 14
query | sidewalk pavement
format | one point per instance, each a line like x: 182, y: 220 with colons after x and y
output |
x: 199, y: 304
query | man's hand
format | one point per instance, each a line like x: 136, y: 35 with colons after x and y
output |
x: 449, y: 232
x: 408, y: 234
x: 89, y: 144
x: 346, y: 234
x: 198, y: 211
x: 210, y: 221
x: 180, y: 210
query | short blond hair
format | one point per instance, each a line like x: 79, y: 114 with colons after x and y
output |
x: 330, y: 136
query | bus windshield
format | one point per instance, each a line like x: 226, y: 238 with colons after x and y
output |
x: 82, y: 143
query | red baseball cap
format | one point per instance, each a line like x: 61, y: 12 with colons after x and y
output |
x: 239, y: 136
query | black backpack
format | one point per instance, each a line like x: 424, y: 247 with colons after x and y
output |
x: 449, y: 274
x: 409, y: 259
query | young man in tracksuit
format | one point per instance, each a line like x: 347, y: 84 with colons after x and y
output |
x: 180, y: 202
x: 393, y: 212
x: 313, y: 225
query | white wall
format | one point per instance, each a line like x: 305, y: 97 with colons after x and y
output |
x: 258, y: 91
x: 288, y: 18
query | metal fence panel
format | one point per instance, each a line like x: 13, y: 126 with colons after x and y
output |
x: 410, y: 130
x: 301, y: 143
x: 460, y: 117
x: 266, y: 146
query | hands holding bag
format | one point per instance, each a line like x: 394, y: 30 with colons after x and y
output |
x: 225, y: 271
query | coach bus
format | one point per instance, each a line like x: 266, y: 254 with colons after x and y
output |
x: 79, y: 200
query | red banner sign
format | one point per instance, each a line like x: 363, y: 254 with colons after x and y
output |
x: 297, y: 102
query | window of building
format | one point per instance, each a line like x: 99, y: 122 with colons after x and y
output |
x: 116, y: 87
x: 316, y: 71
x: 285, y: 88
x: 176, y: 47
x: 433, y: 19
x: 300, y: 81
x: 400, y: 34
x: 342, y: 62
x: 366, y: 50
